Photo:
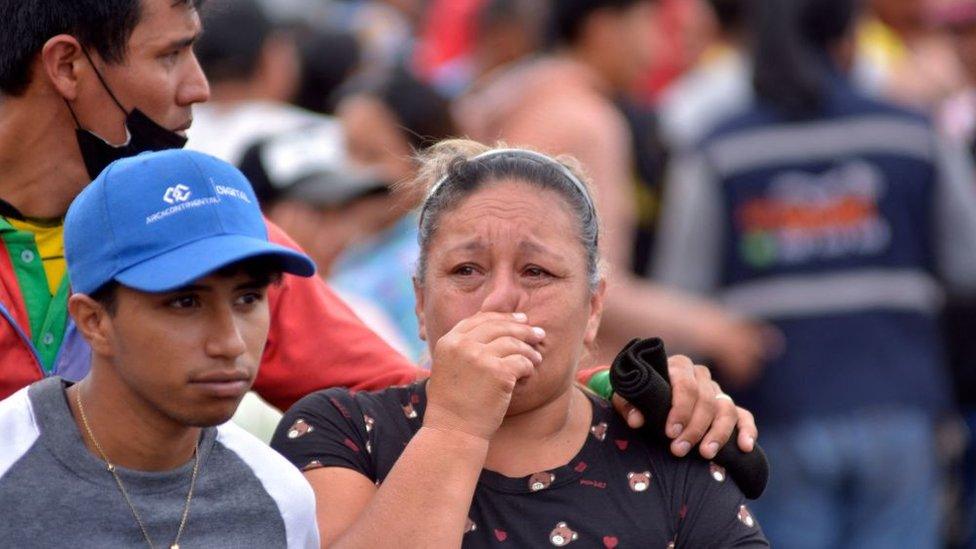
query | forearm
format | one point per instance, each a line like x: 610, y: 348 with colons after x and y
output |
x: 424, y: 502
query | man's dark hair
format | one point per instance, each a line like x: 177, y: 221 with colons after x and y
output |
x: 569, y: 16
x: 107, y: 296
x: 262, y: 270
x: 103, y: 26
x: 236, y: 33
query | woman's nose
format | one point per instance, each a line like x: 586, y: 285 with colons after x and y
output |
x: 504, y: 294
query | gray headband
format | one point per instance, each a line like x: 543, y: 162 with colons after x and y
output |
x: 518, y: 153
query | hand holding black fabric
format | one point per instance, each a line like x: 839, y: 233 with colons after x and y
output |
x: 640, y: 375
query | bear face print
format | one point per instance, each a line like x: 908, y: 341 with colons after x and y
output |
x: 717, y: 472
x: 409, y: 411
x: 369, y: 422
x: 541, y: 481
x: 639, y: 481
x: 599, y: 431
x: 745, y: 517
x: 562, y: 535
x: 299, y: 428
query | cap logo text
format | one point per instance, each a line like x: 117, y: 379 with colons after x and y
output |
x: 231, y: 191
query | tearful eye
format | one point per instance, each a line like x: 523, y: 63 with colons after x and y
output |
x: 535, y: 272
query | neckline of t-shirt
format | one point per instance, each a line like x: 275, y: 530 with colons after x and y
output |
x: 568, y: 473
x: 62, y: 439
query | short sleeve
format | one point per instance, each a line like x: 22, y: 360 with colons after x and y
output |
x: 325, y: 429
x: 712, y: 511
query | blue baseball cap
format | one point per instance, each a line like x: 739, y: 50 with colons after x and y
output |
x: 161, y: 220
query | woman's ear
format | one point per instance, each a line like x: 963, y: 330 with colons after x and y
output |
x: 418, y: 292
x: 596, y: 312
x: 61, y: 61
x: 94, y: 322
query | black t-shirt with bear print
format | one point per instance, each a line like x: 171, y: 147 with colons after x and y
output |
x: 618, y: 491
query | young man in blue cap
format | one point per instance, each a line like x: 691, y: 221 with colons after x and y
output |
x: 170, y: 264
x: 86, y: 82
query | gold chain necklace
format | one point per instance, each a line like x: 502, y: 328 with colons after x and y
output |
x: 118, y: 480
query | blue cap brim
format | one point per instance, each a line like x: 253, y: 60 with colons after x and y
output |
x: 191, y: 262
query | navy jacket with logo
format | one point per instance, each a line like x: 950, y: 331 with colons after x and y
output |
x: 844, y: 231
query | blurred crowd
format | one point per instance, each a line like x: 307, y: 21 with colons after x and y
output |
x: 785, y: 196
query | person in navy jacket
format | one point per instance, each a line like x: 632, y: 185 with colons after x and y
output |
x: 843, y: 221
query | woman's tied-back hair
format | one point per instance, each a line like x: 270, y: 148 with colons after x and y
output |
x: 454, y: 169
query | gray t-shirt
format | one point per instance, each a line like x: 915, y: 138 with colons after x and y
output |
x: 54, y: 492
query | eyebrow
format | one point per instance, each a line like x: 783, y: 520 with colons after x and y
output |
x: 529, y: 246
x: 250, y: 285
x: 469, y: 246
x: 525, y: 246
x: 183, y: 42
x: 253, y: 285
x: 191, y: 288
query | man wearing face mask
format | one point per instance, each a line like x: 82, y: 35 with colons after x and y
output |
x: 86, y: 82
x: 142, y: 134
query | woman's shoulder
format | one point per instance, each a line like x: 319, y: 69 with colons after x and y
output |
x: 651, y: 449
x: 699, y: 494
x: 408, y: 399
x: 363, y: 431
x: 609, y: 425
x: 398, y: 410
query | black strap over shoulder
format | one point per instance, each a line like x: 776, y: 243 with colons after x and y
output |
x: 8, y: 210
